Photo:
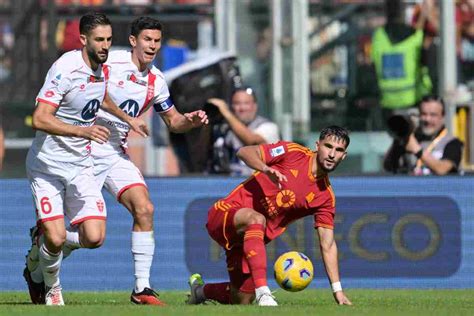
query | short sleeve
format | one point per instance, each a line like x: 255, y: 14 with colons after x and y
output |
x: 55, y: 86
x: 453, y: 152
x: 273, y: 153
x: 269, y: 132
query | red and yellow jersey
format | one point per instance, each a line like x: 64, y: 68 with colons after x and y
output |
x: 301, y: 196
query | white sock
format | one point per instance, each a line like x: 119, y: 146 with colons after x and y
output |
x: 72, y: 241
x: 143, y: 249
x: 50, y: 265
x: 261, y: 290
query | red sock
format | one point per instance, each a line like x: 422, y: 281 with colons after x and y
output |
x: 256, y: 254
x: 218, y: 292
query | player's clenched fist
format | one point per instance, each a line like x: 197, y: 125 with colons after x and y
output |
x: 97, y: 133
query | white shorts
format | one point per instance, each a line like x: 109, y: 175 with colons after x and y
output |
x: 63, y: 188
x: 117, y: 174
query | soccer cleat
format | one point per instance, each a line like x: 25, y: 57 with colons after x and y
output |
x: 146, y: 297
x: 266, y: 299
x: 54, y: 296
x: 195, y: 282
x: 37, y: 290
x: 32, y: 258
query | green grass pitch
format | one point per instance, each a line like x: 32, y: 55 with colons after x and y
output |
x: 308, y: 302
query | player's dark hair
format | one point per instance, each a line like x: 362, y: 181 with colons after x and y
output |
x: 338, y: 132
x: 247, y: 90
x: 91, y: 20
x: 144, y: 23
x: 433, y: 98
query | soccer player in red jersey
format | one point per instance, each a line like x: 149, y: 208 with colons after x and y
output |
x: 290, y: 182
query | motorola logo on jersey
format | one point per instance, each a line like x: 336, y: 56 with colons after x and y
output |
x: 130, y: 107
x: 90, y: 110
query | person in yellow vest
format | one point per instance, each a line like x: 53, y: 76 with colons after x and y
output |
x: 430, y: 149
x: 396, y: 53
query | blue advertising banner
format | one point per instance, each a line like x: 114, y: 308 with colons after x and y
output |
x: 377, y: 237
x: 392, y: 232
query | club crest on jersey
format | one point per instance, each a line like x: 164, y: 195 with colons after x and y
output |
x: 130, y: 107
x: 134, y: 79
x: 277, y: 151
x: 95, y: 79
x: 90, y: 110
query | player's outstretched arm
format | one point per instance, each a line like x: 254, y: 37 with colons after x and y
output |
x: 181, y: 123
x: 329, y: 253
x: 44, y: 119
x: 136, y: 123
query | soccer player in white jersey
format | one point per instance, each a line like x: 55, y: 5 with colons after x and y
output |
x: 59, y: 165
x: 136, y: 85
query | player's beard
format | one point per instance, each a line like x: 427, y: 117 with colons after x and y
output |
x: 94, y: 56
x: 328, y: 170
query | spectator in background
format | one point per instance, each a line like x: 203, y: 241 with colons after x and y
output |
x: 242, y: 127
x: 396, y: 52
x: 426, y: 16
x: 465, y: 39
x: 429, y: 149
x: 67, y: 36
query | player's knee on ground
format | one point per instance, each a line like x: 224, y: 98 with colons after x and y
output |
x: 143, y: 214
x: 240, y: 298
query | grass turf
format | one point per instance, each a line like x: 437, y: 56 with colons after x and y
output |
x: 308, y: 302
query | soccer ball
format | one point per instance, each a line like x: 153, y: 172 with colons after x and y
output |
x: 293, y: 271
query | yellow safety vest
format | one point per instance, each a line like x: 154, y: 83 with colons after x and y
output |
x: 401, y: 79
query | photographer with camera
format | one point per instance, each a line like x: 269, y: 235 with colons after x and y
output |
x: 236, y: 127
x: 427, y: 149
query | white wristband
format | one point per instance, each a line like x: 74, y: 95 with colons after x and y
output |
x: 336, y: 287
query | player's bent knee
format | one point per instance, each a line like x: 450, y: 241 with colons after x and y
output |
x: 55, y: 241
x: 256, y: 218
x: 93, y: 239
x: 144, y: 213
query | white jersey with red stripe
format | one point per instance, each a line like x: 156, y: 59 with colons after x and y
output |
x: 134, y: 92
x: 77, y: 92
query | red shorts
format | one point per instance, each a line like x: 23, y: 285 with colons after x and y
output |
x: 220, y: 225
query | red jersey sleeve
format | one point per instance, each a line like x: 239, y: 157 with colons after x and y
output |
x: 273, y: 153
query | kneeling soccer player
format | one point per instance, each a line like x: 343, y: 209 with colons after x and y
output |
x: 291, y: 182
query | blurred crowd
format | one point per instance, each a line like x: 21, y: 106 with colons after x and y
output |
x: 416, y: 28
